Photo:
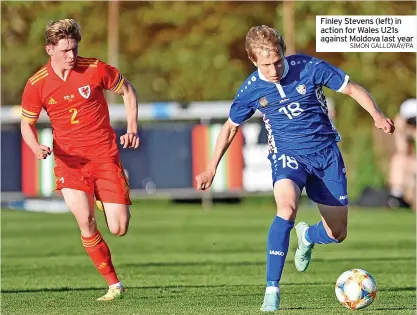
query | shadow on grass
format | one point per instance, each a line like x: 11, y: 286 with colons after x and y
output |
x: 323, y: 308
x: 185, y: 287
x: 327, y: 308
x: 388, y: 309
x: 168, y: 287
x: 260, y: 263
x: 397, y: 289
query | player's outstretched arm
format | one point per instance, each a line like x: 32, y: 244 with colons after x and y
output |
x: 29, y: 134
x: 225, y: 138
x: 359, y: 94
x: 131, y: 138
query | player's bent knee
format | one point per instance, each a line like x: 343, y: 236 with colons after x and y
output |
x: 118, y: 230
x: 122, y: 232
x: 340, y: 236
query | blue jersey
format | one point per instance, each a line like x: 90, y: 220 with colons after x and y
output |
x: 294, y: 110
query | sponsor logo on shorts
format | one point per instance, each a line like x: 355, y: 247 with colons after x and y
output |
x: 343, y: 197
x: 276, y: 253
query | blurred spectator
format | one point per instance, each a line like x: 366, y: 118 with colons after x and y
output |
x: 403, y: 164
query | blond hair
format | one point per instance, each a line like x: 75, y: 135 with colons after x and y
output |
x: 60, y: 29
x: 264, y: 39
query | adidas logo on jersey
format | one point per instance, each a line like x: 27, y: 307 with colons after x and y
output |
x: 52, y: 101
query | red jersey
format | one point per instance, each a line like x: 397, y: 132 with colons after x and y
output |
x: 77, y: 109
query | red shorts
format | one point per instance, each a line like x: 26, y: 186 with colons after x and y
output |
x: 106, y: 180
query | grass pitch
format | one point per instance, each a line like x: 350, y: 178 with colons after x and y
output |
x: 179, y: 259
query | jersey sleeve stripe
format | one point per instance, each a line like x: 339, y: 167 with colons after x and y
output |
x: 118, y: 81
x: 39, y: 78
x: 344, y: 84
x: 28, y: 112
x: 30, y: 116
x: 37, y: 75
x: 119, y: 84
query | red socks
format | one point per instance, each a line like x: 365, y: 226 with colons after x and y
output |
x: 99, y: 253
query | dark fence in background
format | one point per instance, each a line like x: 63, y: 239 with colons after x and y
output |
x: 169, y: 157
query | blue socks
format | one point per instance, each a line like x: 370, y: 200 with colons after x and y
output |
x: 278, y: 242
x: 277, y: 248
x: 317, y: 234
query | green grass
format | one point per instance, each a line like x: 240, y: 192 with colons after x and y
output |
x: 179, y: 259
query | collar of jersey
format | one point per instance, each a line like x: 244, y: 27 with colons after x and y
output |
x: 53, y: 73
x: 286, y: 68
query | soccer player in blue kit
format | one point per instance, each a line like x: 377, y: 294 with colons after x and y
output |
x: 302, y: 143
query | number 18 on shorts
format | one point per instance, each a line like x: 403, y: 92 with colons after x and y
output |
x: 323, y: 174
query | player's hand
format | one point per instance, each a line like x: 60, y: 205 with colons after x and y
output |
x: 130, y: 140
x: 42, y: 152
x: 204, y: 180
x: 384, y: 123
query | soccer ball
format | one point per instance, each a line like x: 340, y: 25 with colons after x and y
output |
x: 355, y: 289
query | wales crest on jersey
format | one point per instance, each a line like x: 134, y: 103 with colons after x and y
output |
x: 84, y: 91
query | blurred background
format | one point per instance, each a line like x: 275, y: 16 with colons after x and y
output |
x: 186, y: 60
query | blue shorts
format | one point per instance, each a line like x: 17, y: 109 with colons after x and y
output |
x: 322, y: 173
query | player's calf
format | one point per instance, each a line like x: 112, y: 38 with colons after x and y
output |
x: 87, y: 225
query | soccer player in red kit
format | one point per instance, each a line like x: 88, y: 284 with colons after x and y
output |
x: 87, y: 163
